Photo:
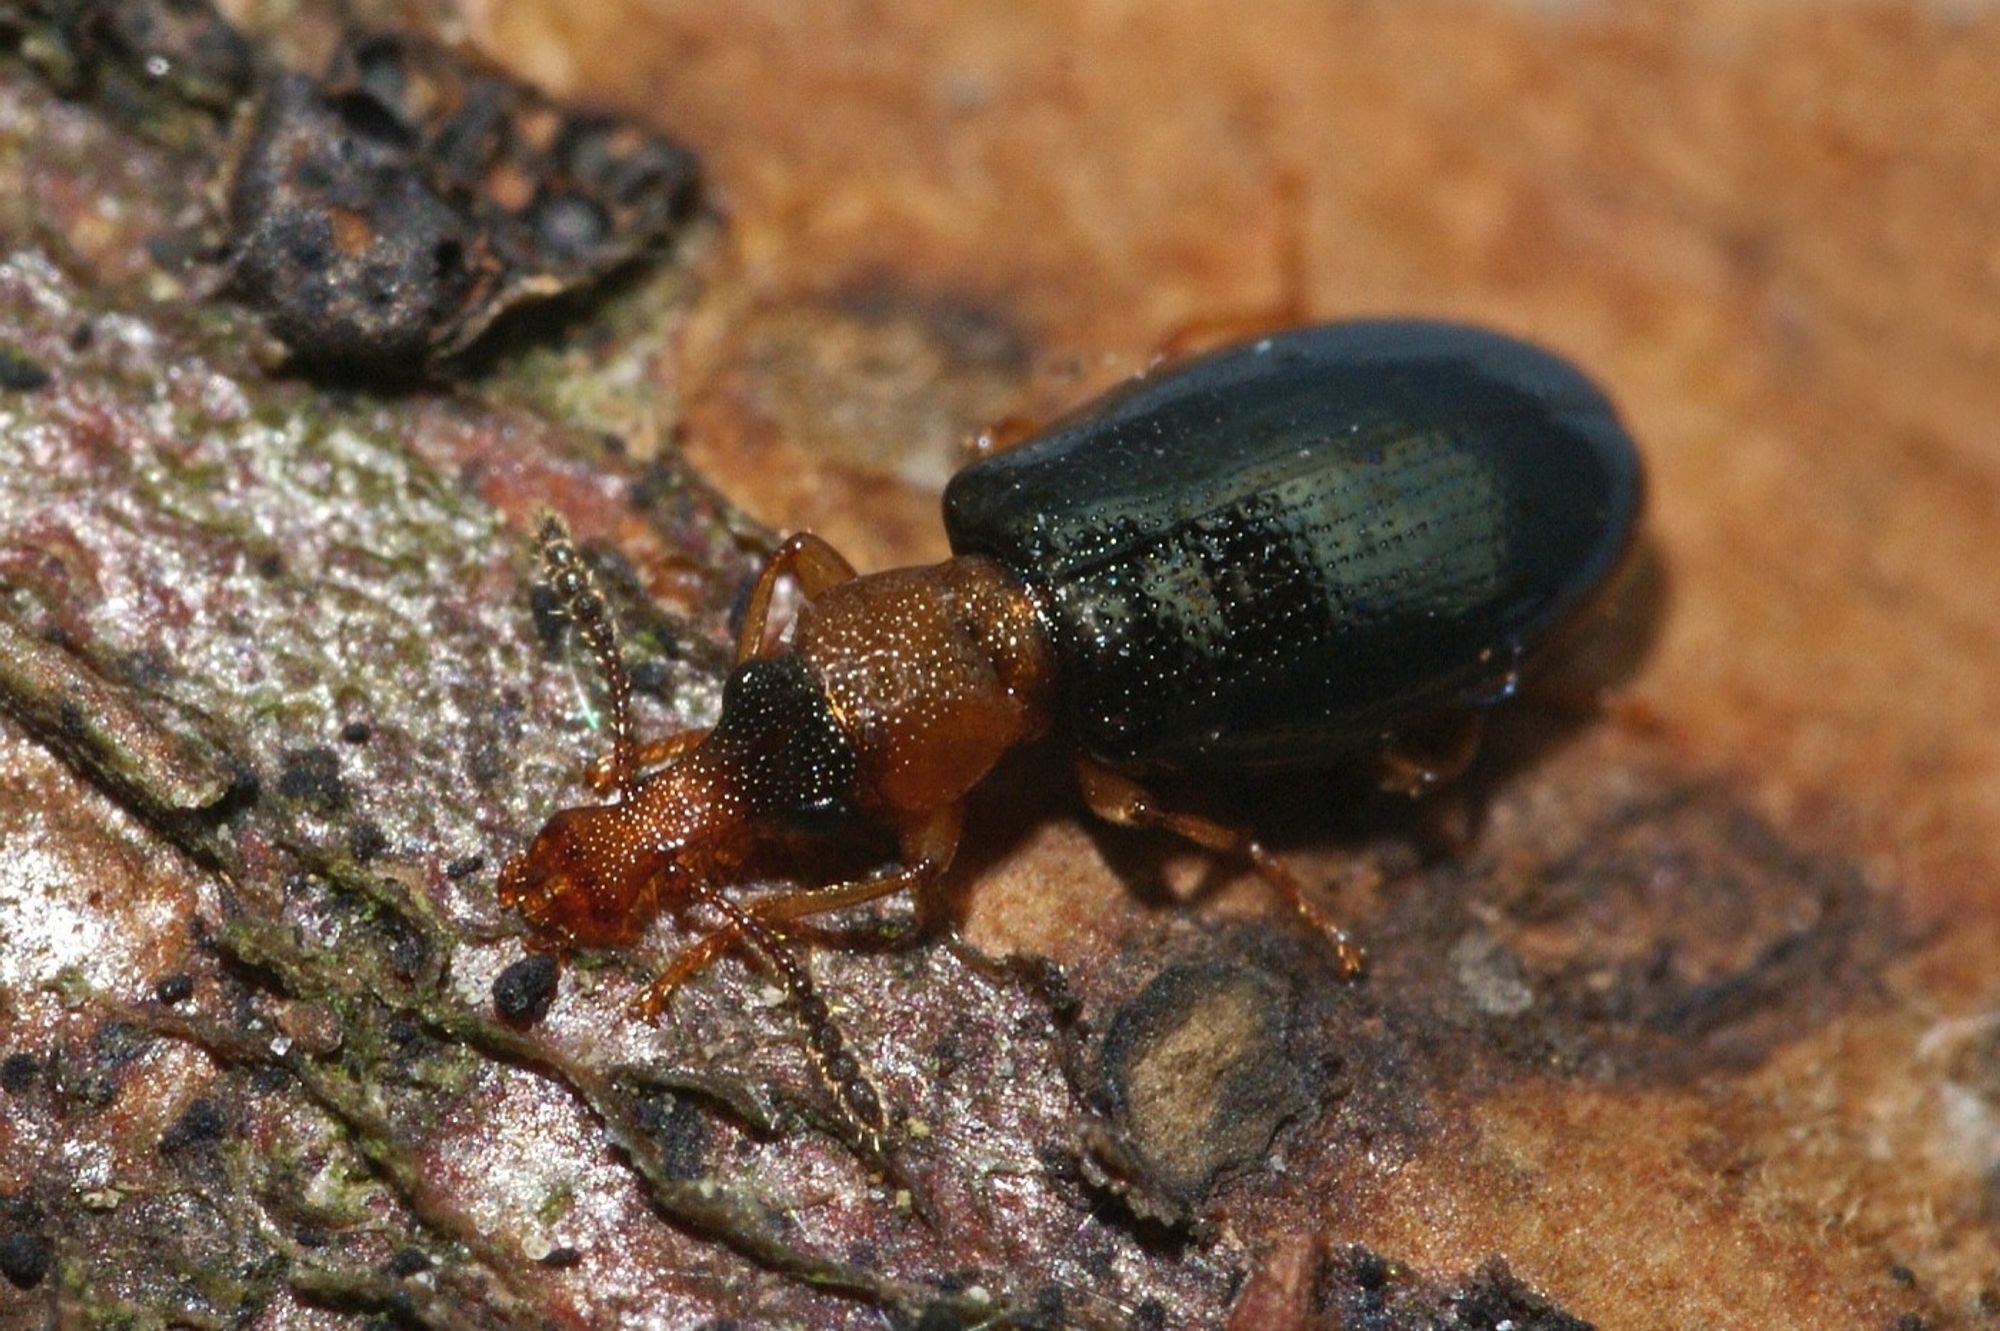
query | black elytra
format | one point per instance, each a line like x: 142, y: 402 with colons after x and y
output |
x: 1271, y: 555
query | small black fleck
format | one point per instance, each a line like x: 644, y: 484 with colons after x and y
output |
x: 365, y: 841
x: 117, y: 1043
x: 649, y: 676
x: 407, y: 1262
x: 1911, y: 1322
x: 679, y: 1128
x: 24, y: 1259
x: 563, y: 1255
x: 174, y: 989
x: 522, y: 993
x: 270, y: 566
x: 409, y: 950
x: 269, y: 1079
x: 655, y: 485
x: 357, y: 732
x: 70, y: 719
x: 18, y: 1073
x: 312, y: 1236
x: 464, y: 867
x: 1903, y: 1276
x: 19, y: 374
x: 81, y: 336
x: 94, y: 1090
x: 198, y: 1129
x: 404, y: 1031
x: 312, y: 778
x: 1150, y: 1316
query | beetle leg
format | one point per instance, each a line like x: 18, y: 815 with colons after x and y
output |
x: 1287, y: 310
x: 1416, y: 763
x: 927, y: 847
x: 1119, y: 799
x: 815, y: 564
x: 1004, y: 433
x: 602, y: 775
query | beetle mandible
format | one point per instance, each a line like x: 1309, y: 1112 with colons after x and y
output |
x: 1292, y: 549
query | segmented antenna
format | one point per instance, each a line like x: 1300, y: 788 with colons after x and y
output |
x: 838, y: 1068
x: 565, y: 574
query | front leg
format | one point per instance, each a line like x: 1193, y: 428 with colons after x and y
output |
x: 815, y: 564
x: 927, y: 846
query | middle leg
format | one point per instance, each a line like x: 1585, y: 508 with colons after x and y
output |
x: 1119, y: 799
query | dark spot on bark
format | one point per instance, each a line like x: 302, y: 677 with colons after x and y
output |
x: 174, y: 989
x: 311, y: 777
x: 18, y: 374
x: 270, y: 566
x: 269, y: 1079
x: 245, y: 788
x: 656, y: 483
x: 681, y: 1131
x: 649, y: 676
x: 523, y: 992
x: 365, y: 841
x: 1368, y: 1292
x: 1150, y: 1315
x: 561, y: 1256
x: 25, y: 1259
x: 116, y: 1043
x: 70, y: 717
x: 357, y: 732
x: 196, y: 1131
x: 18, y: 1073
x: 93, y: 1090
x: 464, y: 867
x: 311, y: 1236
x: 409, y: 951
x: 1903, y: 1276
x: 407, y: 1262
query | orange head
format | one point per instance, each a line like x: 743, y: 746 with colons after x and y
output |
x: 597, y: 874
x: 589, y: 877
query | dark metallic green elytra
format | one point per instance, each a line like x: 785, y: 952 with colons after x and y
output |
x: 1283, y: 550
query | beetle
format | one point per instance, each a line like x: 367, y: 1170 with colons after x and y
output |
x: 1294, y: 549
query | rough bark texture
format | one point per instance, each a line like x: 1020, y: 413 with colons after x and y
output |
x: 1698, y: 1026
